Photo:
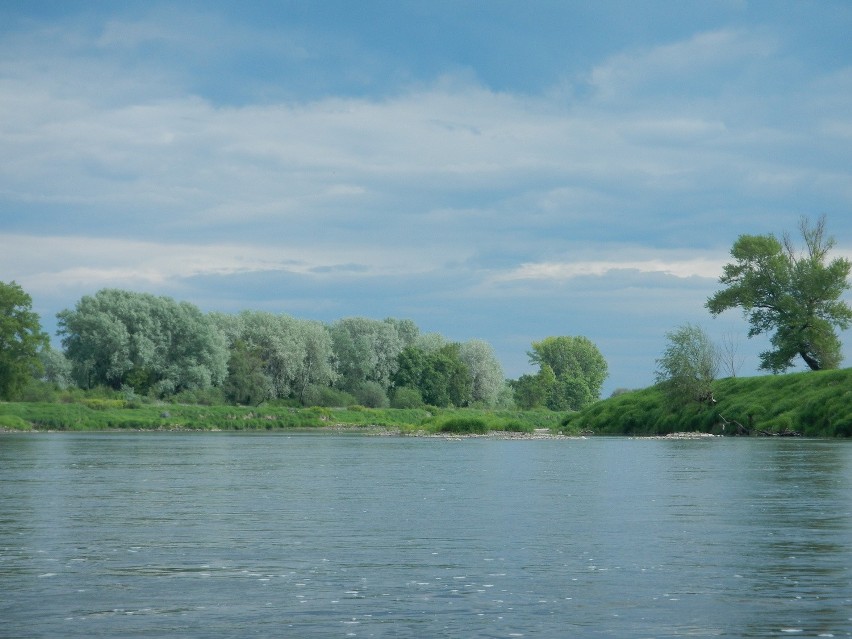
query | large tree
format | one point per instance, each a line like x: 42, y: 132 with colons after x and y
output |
x: 793, y: 294
x: 21, y: 339
x: 486, y: 373
x: 121, y: 338
x: 366, y: 350
x: 274, y: 356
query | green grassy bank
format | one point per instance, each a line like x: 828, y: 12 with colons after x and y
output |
x: 115, y: 414
x: 813, y: 404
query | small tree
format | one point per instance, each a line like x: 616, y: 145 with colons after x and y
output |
x: 571, y: 371
x: 730, y: 359
x: 21, y: 339
x: 688, y: 366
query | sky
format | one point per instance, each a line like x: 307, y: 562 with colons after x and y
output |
x: 497, y: 170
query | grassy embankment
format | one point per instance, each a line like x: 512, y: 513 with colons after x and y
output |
x: 115, y: 414
x: 813, y: 404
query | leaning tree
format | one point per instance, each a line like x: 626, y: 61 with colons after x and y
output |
x: 793, y: 294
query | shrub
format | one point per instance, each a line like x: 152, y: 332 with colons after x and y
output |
x: 326, y: 396
x: 407, y: 397
x: 203, y: 396
x: 371, y: 395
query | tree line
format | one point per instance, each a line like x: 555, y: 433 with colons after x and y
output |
x: 143, y: 345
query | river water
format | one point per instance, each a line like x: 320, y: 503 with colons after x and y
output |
x: 277, y: 535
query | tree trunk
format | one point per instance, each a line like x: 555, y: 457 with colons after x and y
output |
x: 812, y: 363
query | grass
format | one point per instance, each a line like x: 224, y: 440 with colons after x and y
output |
x: 100, y: 415
x: 814, y: 404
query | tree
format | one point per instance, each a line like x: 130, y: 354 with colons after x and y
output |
x: 485, y: 370
x: 795, y: 295
x: 365, y: 350
x: 533, y: 391
x: 730, y: 359
x: 578, y: 370
x: 441, y: 377
x: 247, y: 383
x: 153, y: 344
x: 56, y: 368
x: 21, y: 339
x: 289, y: 353
x: 688, y: 366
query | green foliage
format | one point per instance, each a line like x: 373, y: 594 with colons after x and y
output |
x: 407, y: 397
x: 153, y: 344
x: 533, y: 391
x: 486, y: 373
x: 689, y: 365
x: 316, y: 395
x: 794, y: 296
x: 13, y: 422
x: 105, y: 409
x: 440, y: 375
x: 56, y: 368
x: 247, y: 383
x: 365, y: 351
x: 274, y: 356
x: 372, y: 395
x: 571, y: 373
x: 465, y: 425
x: 96, y: 403
x: 815, y: 404
x: 21, y: 339
x: 201, y: 396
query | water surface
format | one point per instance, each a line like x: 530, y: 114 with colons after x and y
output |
x: 275, y: 535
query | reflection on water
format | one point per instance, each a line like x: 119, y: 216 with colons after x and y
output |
x: 207, y: 535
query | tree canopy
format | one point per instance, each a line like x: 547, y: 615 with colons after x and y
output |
x: 21, y: 339
x: 120, y: 338
x: 795, y: 295
x: 571, y: 373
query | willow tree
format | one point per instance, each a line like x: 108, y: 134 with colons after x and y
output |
x: 688, y: 366
x: 792, y: 294
x: 152, y: 344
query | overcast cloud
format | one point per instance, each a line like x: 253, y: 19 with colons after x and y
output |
x: 501, y: 170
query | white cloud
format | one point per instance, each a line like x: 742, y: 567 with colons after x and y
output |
x: 705, y: 267
x: 46, y: 264
x: 680, y: 64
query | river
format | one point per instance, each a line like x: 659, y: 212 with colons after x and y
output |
x: 317, y: 535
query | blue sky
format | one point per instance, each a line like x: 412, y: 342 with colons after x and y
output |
x: 495, y: 170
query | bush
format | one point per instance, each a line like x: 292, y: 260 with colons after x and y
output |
x: 407, y: 397
x: 371, y: 395
x: 37, y: 390
x: 202, y: 396
x: 327, y: 396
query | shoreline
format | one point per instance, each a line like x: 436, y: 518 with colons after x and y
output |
x: 377, y: 431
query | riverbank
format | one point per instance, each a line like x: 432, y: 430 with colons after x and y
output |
x: 811, y: 404
x: 111, y: 415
